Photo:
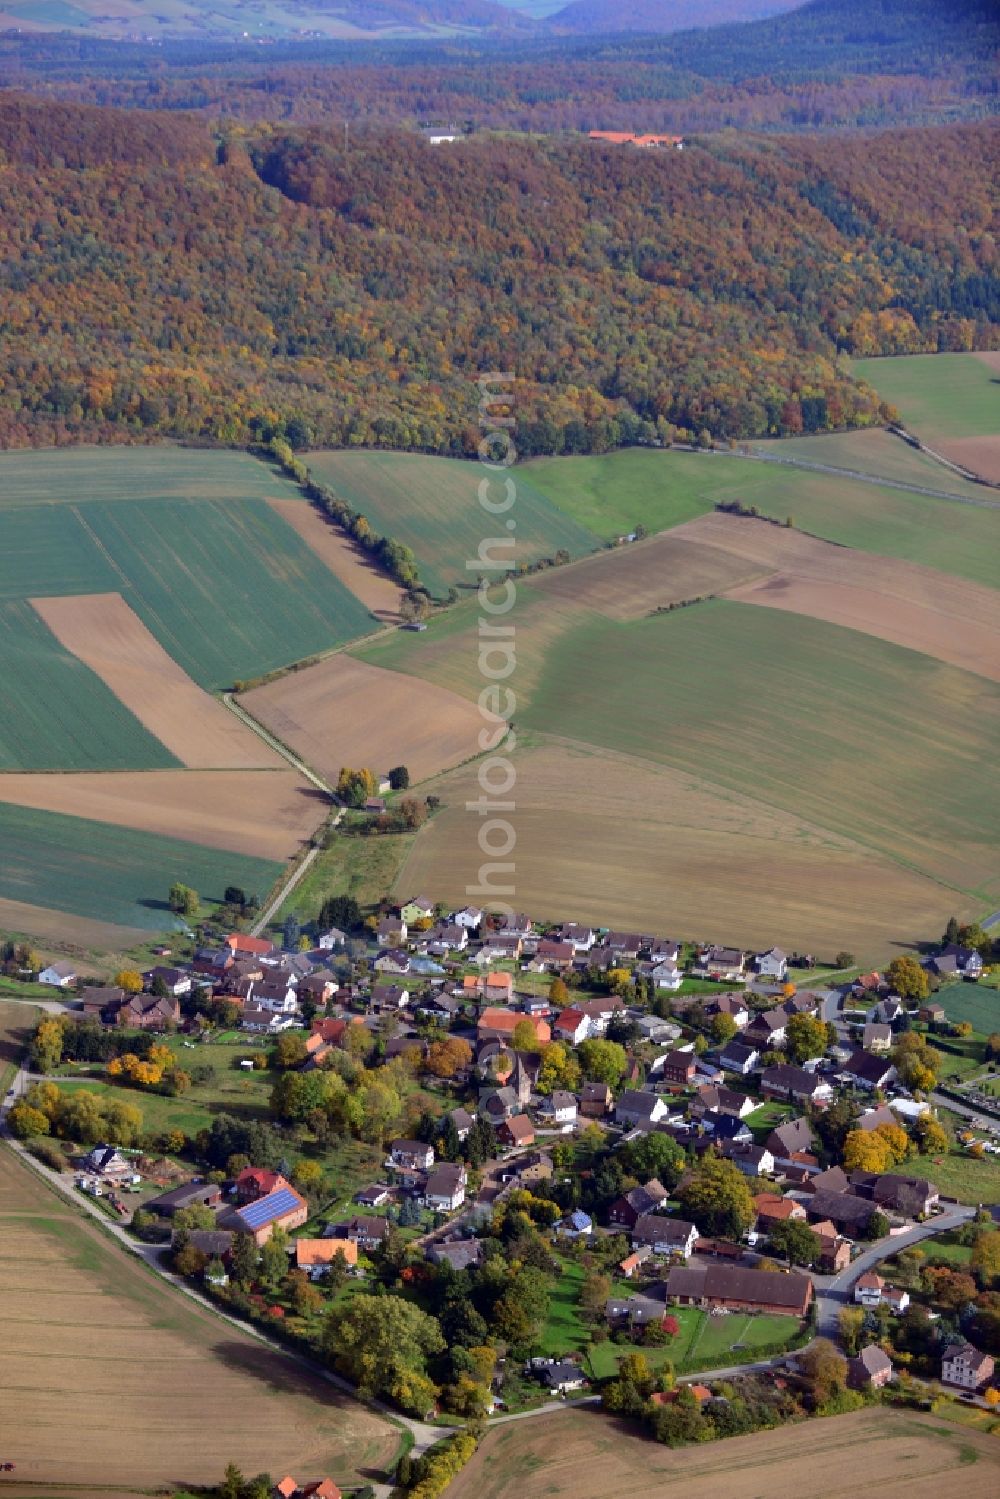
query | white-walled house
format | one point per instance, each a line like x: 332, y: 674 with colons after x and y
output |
x: 58, y: 975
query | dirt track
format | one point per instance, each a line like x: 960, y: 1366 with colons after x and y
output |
x: 102, y: 631
x: 346, y: 561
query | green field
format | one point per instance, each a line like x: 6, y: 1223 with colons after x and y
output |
x: 958, y: 1175
x: 363, y: 867
x: 432, y: 505
x: 703, y: 1342
x: 763, y: 703
x: 938, y: 395
x: 873, y: 451
x: 188, y: 539
x: 659, y: 490
x: 112, y: 874
x: 57, y: 713
x: 979, y: 1004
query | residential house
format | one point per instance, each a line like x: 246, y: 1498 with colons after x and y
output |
x: 333, y: 1029
x: 767, y: 1030
x: 678, y: 1069
x: 850, y: 1215
x: 772, y: 1208
x: 740, y: 1057
x: 876, y: 1038
x: 577, y: 1225
x: 869, y: 1071
x: 526, y: 1170
x: 662, y: 950
x: 635, y: 1312
x: 553, y: 957
x: 636, y: 1108
x: 805, y: 1002
x: 281, y: 1208
x: 448, y: 936
x: 375, y: 1196
x: 559, y: 1377
x: 516, y: 1130
x: 319, y: 987
x: 740, y: 1289
x: 873, y: 1119
x: 931, y: 1013
x: 278, y: 996
x: 714, y: 1098
x: 571, y: 1025
x: 460, y: 1254
x: 101, y: 1002
x: 834, y: 1179
x: 790, y: 1136
x: 965, y: 1367
x: 662, y: 975
x: 419, y: 908
x: 633, y: 1263
x: 390, y: 998
x: 834, y: 1250
x: 58, y: 975
x: 796, y: 1085
x: 392, y: 960
x: 499, y: 1025
x: 726, y: 965
x: 321, y: 1488
x: 655, y: 1029
x: 174, y: 980
x: 732, y: 1005
x: 582, y: 938
x: 868, y: 1289
x: 105, y: 1160
x: 626, y: 1211
x: 241, y: 944
x: 955, y: 962
x: 315, y: 1256
x: 871, y: 1369
x: 752, y: 1160
x: 444, y: 1189
x: 469, y: 917
x: 463, y: 1122
x: 665, y: 1235
x: 596, y: 1100
x: 332, y: 940
x: 497, y: 948
x: 726, y: 1127
x: 258, y: 1020
x: 560, y: 1107
x: 600, y: 1012
x: 392, y: 931
x: 368, y: 1233
x: 411, y: 1155
x: 517, y: 924
x: 625, y: 947
x: 888, y: 1010
x: 772, y: 964
x: 912, y: 1196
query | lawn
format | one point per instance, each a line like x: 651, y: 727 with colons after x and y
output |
x: 962, y: 1056
x: 432, y: 506
x: 946, y: 1247
x: 958, y: 1175
x: 787, y: 688
x: 58, y: 714
x: 979, y: 1004
x: 112, y: 874
x: 564, y: 1330
x: 767, y: 1117
x: 939, y: 396
x: 363, y: 867
x: 617, y: 491
x: 704, y: 1342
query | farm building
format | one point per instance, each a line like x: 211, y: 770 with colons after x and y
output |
x: 737, y: 1289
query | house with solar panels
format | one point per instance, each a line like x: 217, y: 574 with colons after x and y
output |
x: 281, y: 1207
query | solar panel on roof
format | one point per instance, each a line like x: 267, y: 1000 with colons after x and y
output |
x: 256, y: 1214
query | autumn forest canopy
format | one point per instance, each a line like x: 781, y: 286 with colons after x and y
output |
x: 157, y: 277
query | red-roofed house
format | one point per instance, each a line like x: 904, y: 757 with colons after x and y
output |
x: 499, y: 1025
x: 256, y: 947
x: 571, y: 1025
x: 255, y: 1181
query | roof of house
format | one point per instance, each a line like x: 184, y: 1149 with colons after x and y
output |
x: 240, y: 942
x: 570, y: 1019
x: 790, y: 1079
x: 793, y: 1134
x: 520, y: 1128
x: 736, y: 1283
x: 444, y: 1180
x: 312, y: 1252
x: 656, y: 1228
x: 269, y: 1209
x: 595, y: 1093
x: 871, y: 1069
x: 873, y: 1360
x: 780, y: 1209
x: 841, y: 1207
x: 874, y: 1117
x: 870, y: 1281
x: 972, y: 1356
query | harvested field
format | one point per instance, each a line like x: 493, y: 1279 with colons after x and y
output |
x: 347, y: 561
x: 981, y: 455
x: 101, y: 630
x: 267, y: 814
x: 609, y: 838
x: 911, y: 605
x: 584, y: 1455
x: 82, y: 1330
x: 635, y: 579
x: 345, y: 712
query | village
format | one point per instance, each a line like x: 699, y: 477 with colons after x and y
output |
x: 588, y: 1152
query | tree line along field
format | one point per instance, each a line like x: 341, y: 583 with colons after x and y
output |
x: 432, y: 505
x: 579, y: 1454
x: 84, y: 1325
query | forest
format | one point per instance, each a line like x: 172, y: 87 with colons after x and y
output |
x: 159, y: 278
x: 830, y: 64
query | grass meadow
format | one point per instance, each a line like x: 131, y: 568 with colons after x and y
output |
x: 939, y: 396
x: 432, y: 504
x: 109, y: 873
x: 979, y: 1004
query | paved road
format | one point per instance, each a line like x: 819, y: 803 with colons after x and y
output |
x: 287, y: 887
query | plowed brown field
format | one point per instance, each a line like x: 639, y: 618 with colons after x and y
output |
x: 266, y: 813
x: 104, y: 633
x: 981, y: 455
x: 345, y: 560
x: 111, y: 1379
x: 344, y: 712
x: 583, y: 1455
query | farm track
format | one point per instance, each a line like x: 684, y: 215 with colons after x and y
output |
x: 860, y: 477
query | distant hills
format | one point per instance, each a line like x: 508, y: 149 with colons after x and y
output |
x: 594, y: 17
x: 263, y: 20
